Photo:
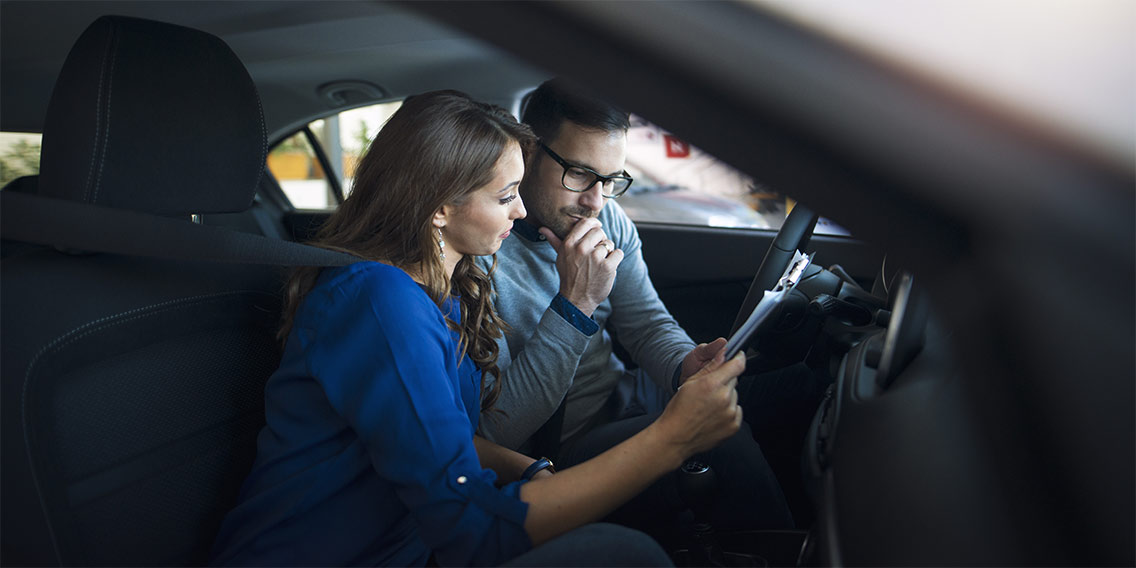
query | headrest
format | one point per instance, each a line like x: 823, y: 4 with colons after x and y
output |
x: 153, y: 117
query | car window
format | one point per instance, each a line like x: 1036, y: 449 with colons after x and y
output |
x: 19, y: 155
x: 339, y: 141
x: 677, y: 183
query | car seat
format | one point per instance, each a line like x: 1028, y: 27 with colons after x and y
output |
x: 132, y: 387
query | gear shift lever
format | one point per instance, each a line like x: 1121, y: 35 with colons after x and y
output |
x: 698, y: 488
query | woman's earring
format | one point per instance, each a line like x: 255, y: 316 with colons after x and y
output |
x: 441, y: 244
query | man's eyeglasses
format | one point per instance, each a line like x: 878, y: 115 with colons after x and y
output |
x: 580, y: 179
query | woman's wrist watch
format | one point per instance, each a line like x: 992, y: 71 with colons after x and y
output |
x: 536, y: 467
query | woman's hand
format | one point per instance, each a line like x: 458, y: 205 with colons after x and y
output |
x: 703, y: 413
x: 705, y: 409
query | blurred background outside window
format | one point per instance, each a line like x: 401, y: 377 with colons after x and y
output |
x: 19, y: 155
x: 343, y: 137
x: 675, y: 183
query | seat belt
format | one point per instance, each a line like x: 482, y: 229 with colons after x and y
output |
x: 82, y: 226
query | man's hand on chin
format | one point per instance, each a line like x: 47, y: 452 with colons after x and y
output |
x: 586, y: 260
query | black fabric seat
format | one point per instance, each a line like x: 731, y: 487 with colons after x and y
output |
x: 132, y: 388
x: 24, y: 184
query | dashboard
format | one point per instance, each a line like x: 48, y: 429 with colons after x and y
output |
x: 855, y: 458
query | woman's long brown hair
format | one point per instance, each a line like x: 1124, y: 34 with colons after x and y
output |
x: 435, y: 150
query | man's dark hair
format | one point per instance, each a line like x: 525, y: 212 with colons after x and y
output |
x: 557, y: 100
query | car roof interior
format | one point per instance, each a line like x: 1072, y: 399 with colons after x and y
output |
x: 397, y: 51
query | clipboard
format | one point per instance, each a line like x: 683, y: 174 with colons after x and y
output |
x: 770, y: 300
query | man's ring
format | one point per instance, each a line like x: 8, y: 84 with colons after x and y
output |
x: 608, y: 245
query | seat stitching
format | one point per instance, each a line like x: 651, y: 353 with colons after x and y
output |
x: 64, y: 340
x: 263, y: 137
x: 106, y: 128
x: 98, y: 113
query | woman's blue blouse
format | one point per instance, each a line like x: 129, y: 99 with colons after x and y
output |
x: 367, y: 457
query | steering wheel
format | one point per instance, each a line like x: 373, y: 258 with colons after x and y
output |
x: 793, y: 236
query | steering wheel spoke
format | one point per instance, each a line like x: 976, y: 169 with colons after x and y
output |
x: 794, y: 235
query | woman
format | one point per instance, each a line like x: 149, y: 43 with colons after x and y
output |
x: 369, y: 454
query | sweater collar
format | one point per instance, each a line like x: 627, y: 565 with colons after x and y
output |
x: 527, y: 230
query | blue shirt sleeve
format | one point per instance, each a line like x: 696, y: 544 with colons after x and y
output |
x: 574, y: 316
x: 388, y: 364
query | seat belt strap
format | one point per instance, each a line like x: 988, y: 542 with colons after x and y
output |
x: 81, y: 226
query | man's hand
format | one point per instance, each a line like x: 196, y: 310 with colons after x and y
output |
x: 705, y: 409
x: 586, y: 260
x: 699, y: 357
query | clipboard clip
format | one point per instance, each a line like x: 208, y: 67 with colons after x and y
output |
x: 794, y: 272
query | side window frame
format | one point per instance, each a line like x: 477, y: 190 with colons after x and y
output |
x: 314, y: 150
x: 331, y: 173
x: 333, y: 144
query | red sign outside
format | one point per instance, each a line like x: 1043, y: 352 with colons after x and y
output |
x: 676, y: 148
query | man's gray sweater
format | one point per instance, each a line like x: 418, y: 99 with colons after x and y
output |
x: 545, y: 357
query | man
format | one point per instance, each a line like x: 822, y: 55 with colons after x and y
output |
x: 568, y: 271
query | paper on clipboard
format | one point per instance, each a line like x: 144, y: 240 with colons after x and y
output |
x: 769, y: 300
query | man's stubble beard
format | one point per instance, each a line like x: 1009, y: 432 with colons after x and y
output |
x: 559, y: 221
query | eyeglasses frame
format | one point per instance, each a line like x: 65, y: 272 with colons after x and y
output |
x: 596, y: 175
